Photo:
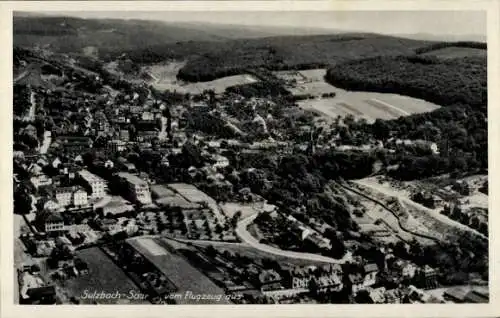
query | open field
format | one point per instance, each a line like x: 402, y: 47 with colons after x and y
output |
x: 184, y: 276
x: 366, y: 105
x: 104, y: 276
x: 244, y: 249
x: 454, y: 51
x: 164, y: 77
x: 231, y: 208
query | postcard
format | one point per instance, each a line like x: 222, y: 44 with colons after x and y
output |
x: 243, y: 158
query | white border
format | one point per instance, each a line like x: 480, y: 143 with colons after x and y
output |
x: 428, y: 310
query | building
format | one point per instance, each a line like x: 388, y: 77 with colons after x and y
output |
x: 40, y: 181
x: 428, y: 277
x: 371, y: 271
x: 74, y: 143
x: 64, y: 195
x: 378, y: 295
x: 357, y: 282
x: 34, y: 291
x: 80, y: 197
x: 116, y: 145
x: 93, y: 184
x: 220, y: 161
x: 137, y: 190
x: 53, y: 222
x: 268, y: 277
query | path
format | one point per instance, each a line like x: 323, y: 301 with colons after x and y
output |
x: 245, y: 236
x: 47, y: 140
x: 432, y: 213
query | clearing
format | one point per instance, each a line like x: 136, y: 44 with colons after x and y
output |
x: 366, y: 105
x: 455, y: 51
x: 231, y: 208
x: 164, y: 77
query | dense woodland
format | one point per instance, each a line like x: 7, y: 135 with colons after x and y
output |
x: 441, y: 81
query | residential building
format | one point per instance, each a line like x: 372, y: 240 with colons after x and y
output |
x: 94, y: 184
x: 80, y: 197
x: 220, y: 161
x: 64, y: 195
x: 378, y: 295
x: 40, y: 181
x: 371, y: 271
x: 137, y: 190
x: 428, y: 277
x: 53, y: 222
x: 74, y: 143
x: 116, y: 145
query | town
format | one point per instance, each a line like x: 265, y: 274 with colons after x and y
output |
x: 254, y: 191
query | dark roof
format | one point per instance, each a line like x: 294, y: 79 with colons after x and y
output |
x: 475, y: 298
x: 41, y: 292
x: 482, y: 291
x: 371, y: 267
x: 457, y: 293
x: 53, y: 217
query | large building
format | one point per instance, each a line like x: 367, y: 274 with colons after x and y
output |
x: 137, y: 190
x: 94, y: 184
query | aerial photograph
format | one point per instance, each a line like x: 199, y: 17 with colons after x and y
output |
x: 295, y: 157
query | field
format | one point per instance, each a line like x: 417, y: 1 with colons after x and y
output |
x: 104, y: 276
x: 366, y: 105
x: 184, y: 276
x: 454, y: 51
x: 164, y: 77
x: 231, y: 208
x: 245, y: 250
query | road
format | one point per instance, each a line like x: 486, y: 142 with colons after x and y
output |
x: 162, y: 135
x: 31, y: 113
x: 432, y: 213
x: 245, y: 236
x: 47, y: 139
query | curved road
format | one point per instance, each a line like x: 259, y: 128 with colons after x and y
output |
x: 245, y: 236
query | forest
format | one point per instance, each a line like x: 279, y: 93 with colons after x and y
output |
x: 444, y: 82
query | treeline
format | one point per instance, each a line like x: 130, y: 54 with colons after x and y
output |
x: 291, y: 53
x: 444, y: 82
x: 259, y: 89
x: 442, y: 45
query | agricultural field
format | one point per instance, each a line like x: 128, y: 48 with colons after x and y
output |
x: 104, y: 276
x: 455, y: 51
x: 184, y: 276
x: 164, y: 77
x: 366, y: 105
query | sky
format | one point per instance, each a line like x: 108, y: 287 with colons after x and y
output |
x: 387, y: 22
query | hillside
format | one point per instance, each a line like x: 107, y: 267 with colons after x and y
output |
x: 441, y: 81
x: 298, y: 52
x: 65, y: 35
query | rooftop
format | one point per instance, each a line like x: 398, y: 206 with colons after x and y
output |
x: 131, y: 178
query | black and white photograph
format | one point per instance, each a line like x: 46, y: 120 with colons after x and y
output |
x: 250, y: 157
